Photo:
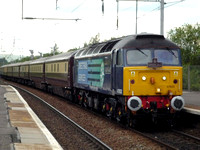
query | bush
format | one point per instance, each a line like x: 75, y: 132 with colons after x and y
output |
x: 194, y: 80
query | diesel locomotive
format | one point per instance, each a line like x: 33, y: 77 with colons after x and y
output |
x: 136, y: 75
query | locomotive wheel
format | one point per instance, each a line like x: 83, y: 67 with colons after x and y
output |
x: 85, y: 103
x: 131, y: 122
x: 154, y: 120
x: 119, y: 115
x: 109, y: 113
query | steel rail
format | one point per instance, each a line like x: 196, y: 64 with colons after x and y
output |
x: 168, y: 146
x: 187, y: 135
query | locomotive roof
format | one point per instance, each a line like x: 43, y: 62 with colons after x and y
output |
x: 128, y: 42
x: 145, y: 41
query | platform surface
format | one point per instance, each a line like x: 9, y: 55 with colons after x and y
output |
x: 20, y: 128
x: 192, y: 102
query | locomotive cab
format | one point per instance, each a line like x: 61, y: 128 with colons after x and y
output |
x: 148, y: 73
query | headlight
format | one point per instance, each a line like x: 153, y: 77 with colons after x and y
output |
x: 164, y: 78
x: 144, y: 78
x: 134, y: 103
x: 177, y: 103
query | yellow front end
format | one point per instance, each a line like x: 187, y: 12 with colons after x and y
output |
x: 145, y: 81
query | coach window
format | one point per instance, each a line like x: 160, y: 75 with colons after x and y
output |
x: 51, y: 67
x: 66, y: 67
x: 57, y: 67
x: 54, y: 67
x: 46, y: 68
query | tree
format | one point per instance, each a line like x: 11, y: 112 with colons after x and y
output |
x: 187, y: 38
x: 3, y: 61
x: 54, y: 50
x: 93, y: 40
x: 73, y: 49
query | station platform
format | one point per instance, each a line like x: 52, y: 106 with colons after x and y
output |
x: 192, y: 102
x: 20, y: 128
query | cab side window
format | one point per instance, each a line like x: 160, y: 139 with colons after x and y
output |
x: 119, y: 58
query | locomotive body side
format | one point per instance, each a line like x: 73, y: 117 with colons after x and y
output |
x: 94, y: 74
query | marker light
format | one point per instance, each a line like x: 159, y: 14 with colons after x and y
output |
x: 164, y: 78
x: 132, y: 81
x: 175, y: 81
x: 158, y: 90
x: 152, y: 80
x: 144, y: 78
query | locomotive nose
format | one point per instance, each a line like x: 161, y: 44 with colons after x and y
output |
x: 134, y: 103
x: 177, y: 103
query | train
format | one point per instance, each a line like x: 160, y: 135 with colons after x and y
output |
x: 126, y: 78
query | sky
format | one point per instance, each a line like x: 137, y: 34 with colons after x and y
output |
x: 18, y: 36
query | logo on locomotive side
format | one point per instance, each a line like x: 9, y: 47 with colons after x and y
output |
x: 91, y: 72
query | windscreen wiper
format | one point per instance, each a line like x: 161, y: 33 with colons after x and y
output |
x: 172, y: 53
x: 142, y: 52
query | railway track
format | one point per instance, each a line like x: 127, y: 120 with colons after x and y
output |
x: 174, y: 139
x: 75, y: 134
x: 163, y: 139
x: 197, y: 139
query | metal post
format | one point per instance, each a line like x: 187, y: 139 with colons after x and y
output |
x: 102, y: 7
x: 162, y: 17
x: 117, y: 14
x: 22, y: 9
x: 189, y: 82
x: 136, y: 17
x: 56, y: 4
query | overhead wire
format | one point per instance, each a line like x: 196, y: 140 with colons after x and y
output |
x: 155, y: 9
x: 78, y: 6
x: 158, y: 8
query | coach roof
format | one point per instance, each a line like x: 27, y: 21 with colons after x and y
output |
x: 60, y: 57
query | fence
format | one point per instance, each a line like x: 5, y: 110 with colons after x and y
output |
x: 191, y: 77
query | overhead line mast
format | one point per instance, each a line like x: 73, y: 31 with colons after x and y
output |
x: 161, y: 13
x: 162, y: 3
